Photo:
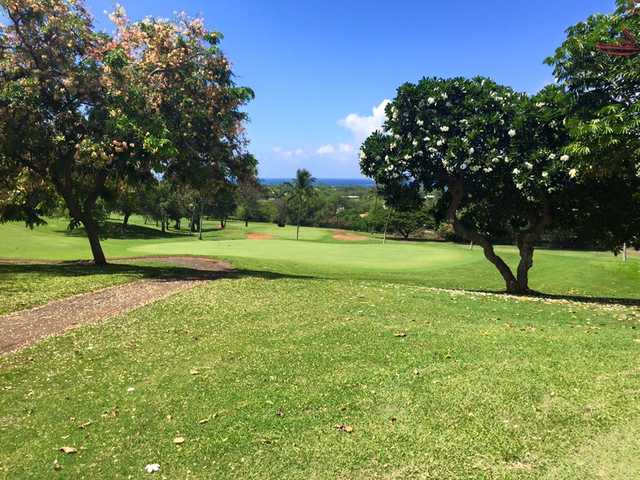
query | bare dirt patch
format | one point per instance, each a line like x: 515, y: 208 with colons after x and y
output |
x: 259, y: 236
x: 26, y: 327
x: 345, y: 236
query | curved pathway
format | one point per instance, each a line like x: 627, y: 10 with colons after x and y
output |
x: 23, y: 328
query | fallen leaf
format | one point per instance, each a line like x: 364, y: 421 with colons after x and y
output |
x: 193, y: 371
x: 68, y: 450
x: 280, y: 413
x: 85, y: 425
x: 400, y: 334
x: 203, y: 421
x: 178, y: 440
x: 344, y: 428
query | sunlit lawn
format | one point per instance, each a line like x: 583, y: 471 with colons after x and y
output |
x: 256, y: 373
x: 262, y: 374
x: 317, y: 254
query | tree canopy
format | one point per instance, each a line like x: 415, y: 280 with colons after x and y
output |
x: 80, y: 108
x: 498, y: 157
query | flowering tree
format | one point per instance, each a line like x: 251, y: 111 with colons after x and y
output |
x: 79, y: 109
x: 497, y: 155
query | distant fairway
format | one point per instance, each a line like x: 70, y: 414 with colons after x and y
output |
x: 318, y: 254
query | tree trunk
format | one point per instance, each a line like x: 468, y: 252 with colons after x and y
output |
x: 246, y: 222
x: 526, y: 249
x: 457, y: 193
x: 84, y: 213
x: 386, y: 227
x: 125, y: 221
x: 298, y: 224
x: 93, y: 234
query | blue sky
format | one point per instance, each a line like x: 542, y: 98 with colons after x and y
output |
x: 320, y: 67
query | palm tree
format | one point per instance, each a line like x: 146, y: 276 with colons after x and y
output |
x: 300, y: 190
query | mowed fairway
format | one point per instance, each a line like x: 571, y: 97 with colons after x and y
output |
x: 441, y: 265
x: 324, y: 359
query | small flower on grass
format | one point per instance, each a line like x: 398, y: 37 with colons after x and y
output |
x: 152, y: 468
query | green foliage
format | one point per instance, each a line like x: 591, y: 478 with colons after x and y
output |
x: 82, y: 111
x: 605, y: 120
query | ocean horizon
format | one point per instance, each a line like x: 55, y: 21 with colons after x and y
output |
x: 325, y: 182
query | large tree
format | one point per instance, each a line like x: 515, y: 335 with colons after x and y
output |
x: 599, y: 64
x: 496, y: 155
x: 79, y: 109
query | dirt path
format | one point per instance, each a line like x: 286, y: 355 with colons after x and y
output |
x: 20, y: 329
x: 345, y: 236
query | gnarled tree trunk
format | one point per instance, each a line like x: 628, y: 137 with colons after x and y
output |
x: 457, y: 193
x: 526, y: 245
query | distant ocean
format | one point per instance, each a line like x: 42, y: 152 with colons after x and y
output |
x: 326, y: 182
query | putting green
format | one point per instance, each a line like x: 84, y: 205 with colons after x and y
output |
x: 371, y: 256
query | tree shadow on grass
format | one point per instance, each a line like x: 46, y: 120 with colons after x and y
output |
x: 113, y: 230
x: 160, y: 272
x: 160, y: 269
x: 595, y: 300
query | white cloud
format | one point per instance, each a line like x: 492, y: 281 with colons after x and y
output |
x: 363, y: 126
x: 298, y: 152
x: 340, y: 149
x: 326, y: 150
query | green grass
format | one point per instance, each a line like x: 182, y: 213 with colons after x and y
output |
x: 442, y: 265
x: 480, y: 387
x: 29, y: 285
x: 256, y: 370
